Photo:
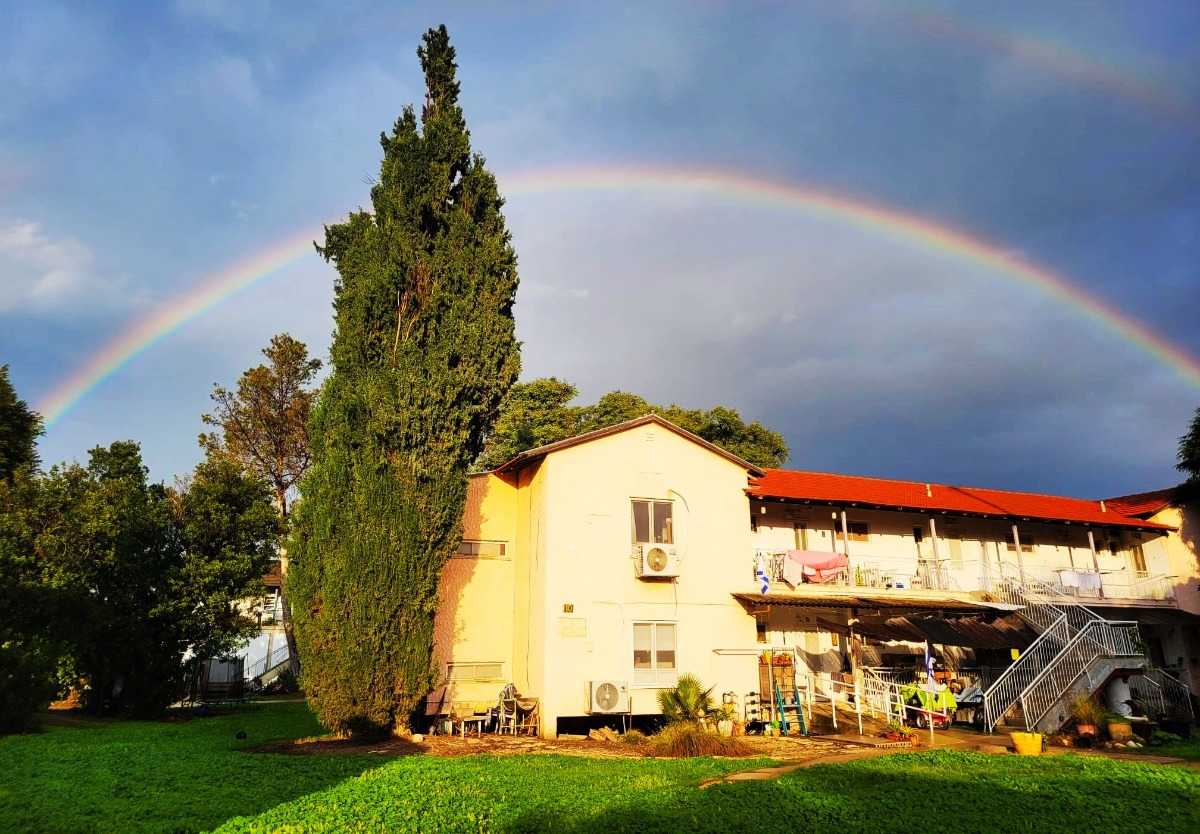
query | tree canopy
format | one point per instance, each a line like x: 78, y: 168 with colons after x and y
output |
x: 538, y: 412
x: 264, y: 424
x: 422, y: 355
x: 19, y: 430
x: 1189, y: 453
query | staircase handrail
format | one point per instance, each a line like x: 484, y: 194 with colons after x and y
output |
x: 1171, y: 690
x: 1033, y: 588
x: 1098, y: 639
x: 1007, y: 689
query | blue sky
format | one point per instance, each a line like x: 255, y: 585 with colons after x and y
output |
x: 144, y: 149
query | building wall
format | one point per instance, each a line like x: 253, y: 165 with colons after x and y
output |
x: 1180, y: 553
x: 474, y: 623
x: 591, y: 595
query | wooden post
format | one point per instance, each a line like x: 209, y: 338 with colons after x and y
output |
x: 1095, y: 561
x: 1020, y: 558
x: 846, y: 545
x: 937, y: 553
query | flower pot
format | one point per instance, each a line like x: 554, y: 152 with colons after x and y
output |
x: 725, y: 728
x: 1086, y: 729
x: 1027, y: 744
x: 1120, y: 732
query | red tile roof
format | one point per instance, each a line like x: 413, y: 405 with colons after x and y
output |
x: 1144, y: 503
x: 911, y: 495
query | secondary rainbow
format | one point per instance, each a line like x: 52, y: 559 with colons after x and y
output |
x: 729, y: 186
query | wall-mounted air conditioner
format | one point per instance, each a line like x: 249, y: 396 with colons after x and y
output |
x: 656, y: 561
x: 608, y: 697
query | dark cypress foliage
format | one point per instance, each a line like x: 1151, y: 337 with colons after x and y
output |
x: 422, y: 355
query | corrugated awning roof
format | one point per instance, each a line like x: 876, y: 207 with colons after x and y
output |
x: 867, y: 601
x: 1147, y: 615
x: 1005, y: 633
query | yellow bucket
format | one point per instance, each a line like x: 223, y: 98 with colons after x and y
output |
x: 1027, y: 744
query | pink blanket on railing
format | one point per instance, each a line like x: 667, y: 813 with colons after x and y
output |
x: 812, y: 566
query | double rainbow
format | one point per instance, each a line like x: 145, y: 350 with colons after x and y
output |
x: 728, y: 186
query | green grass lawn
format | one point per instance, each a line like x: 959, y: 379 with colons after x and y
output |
x: 132, y: 776
x: 194, y: 775
x: 939, y: 791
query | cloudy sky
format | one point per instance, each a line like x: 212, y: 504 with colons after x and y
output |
x: 145, y: 149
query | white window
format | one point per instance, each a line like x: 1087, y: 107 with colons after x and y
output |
x: 481, y: 550
x: 801, y: 531
x: 654, y: 661
x: 956, y: 559
x: 652, y: 522
x: 475, y: 671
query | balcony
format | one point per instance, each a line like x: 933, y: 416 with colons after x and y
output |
x: 958, y: 576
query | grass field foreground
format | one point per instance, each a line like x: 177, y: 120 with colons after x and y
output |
x: 161, y: 776
x: 938, y: 791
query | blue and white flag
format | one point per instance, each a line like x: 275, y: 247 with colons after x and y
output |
x: 760, y: 573
x: 930, y: 684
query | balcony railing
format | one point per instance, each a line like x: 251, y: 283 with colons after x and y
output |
x: 907, y: 574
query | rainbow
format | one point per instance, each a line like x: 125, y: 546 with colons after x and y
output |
x: 1035, y: 49
x: 729, y: 186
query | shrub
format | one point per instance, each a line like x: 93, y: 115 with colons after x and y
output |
x: 1087, y: 710
x: 687, y: 701
x: 635, y: 737
x: 686, y: 739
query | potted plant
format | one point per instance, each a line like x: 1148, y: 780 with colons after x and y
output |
x: 1087, y: 713
x: 723, y: 717
x: 1120, y: 728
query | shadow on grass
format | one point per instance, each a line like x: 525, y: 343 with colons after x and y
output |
x: 158, y: 776
x: 930, y: 792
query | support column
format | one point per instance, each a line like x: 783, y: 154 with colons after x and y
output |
x: 937, y: 553
x: 846, y: 545
x: 1020, y: 557
x: 1095, y: 561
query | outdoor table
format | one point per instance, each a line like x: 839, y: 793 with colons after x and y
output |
x: 477, y: 720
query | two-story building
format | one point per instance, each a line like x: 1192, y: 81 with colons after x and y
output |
x: 595, y: 570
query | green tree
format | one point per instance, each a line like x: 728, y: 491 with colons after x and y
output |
x: 141, y: 575
x: 1189, y: 453
x: 19, y: 430
x: 686, y: 701
x: 536, y: 413
x: 422, y: 355
x: 532, y: 414
x: 264, y: 428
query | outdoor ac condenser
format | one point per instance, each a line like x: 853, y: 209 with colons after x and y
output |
x: 608, y: 697
x: 657, y: 561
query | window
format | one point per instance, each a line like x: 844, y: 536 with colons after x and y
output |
x: 955, y: 540
x: 918, y: 534
x: 753, y: 522
x: 1027, y: 542
x: 475, y: 671
x: 484, y: 550
x: 652, y: 522
x: 860, y: 531
x: 1139, y: 558
x: 801, y: 536
x: 654, y: 654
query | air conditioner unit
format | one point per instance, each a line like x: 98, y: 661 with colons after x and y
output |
x: 655, y: 561
x: 608, y: 697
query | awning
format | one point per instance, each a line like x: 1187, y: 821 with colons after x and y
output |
x: 869, y: 602
x: 1146, y: 615
x: 1006, y: 633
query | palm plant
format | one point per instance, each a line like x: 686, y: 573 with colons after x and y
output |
x: 687, y: 701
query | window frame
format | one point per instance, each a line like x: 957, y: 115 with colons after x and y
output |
x: 1028, y: 542
x: 652, y: 515
x: 654, y: 677
x: 864, y: 526
x: 465, y: 543
x: 473, y: 665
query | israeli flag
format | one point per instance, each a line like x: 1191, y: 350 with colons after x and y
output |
x: 930, y: 684
x: 760, y: 573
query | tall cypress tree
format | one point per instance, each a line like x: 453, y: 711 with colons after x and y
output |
x: 423, y: 353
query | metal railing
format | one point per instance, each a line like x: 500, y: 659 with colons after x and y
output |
x: 1139, y: 585
x: 260, y: 667
x: 1074, y: 663
x: 880, y: 574
x: 1162, y: 693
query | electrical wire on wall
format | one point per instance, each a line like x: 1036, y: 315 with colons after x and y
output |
x: 687, y: 542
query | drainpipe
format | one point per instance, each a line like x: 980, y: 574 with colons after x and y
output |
x: 1020, y: 558
x: 1095, y: 560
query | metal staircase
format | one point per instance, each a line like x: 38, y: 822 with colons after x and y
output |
x: 1075, y: 652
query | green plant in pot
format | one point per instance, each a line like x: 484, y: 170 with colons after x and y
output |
x: 1087, y: 713
x: 1120, y: 728
x: 723, y: 717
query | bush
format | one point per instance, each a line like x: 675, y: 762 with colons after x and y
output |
x: 685, y: 740
x: 687, y: 700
